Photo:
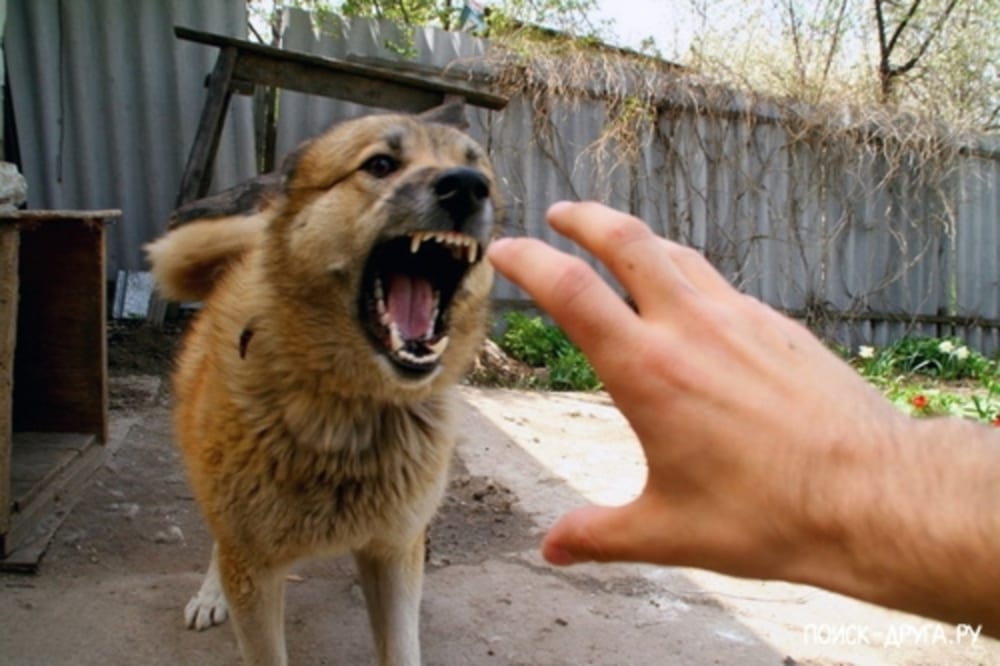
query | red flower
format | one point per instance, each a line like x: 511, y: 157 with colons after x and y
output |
x: 996, y: 420
x: 919, y: 401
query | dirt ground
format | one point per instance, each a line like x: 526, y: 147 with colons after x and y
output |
x: 117, y: 574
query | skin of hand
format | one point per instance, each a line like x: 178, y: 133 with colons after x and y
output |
x: 767, y: 456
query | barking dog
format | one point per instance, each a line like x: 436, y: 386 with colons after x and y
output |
x: 342, y: 302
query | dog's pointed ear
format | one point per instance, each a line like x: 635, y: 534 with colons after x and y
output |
x: 451, y: 112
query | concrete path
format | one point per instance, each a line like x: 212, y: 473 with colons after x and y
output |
x: 119, y: 571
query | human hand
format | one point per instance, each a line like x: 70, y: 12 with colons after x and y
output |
x: 757, y: 438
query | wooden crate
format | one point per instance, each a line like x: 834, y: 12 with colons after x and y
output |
x: 53, y: 370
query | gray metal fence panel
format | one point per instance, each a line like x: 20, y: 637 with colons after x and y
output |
x: 106, y: 103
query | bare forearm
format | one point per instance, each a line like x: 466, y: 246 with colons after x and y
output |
x: 920, y: 528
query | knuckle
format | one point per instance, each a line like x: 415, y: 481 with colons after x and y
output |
x: 625, y: 229
x: 576, y: 277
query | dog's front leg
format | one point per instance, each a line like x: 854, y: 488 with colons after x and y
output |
x: 257, y: 607
x: 392, y: 577
x: 208, y: 607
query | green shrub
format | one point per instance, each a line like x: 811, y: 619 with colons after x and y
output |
x: 532, y: 341
x: 571, y: 371
x: 541, y: 345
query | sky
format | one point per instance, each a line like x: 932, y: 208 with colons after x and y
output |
x: 674, y: 23
x: 671, y: 24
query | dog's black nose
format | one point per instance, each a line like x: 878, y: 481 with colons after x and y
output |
x: 461, y: 192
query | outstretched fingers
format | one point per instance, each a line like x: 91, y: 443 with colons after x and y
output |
x: 654, y: 271
x: 627, y: 246
x: 576, y: 297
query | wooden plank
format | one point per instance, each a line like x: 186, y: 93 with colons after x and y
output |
x: 60, y: 368
x: 197, y: 176
x: 8, y: 330
x: 17, y: 217
x: 33, y: 526
x: 198, y: 171
x: 317, y: 80
x: 477, y: 93
x: 38, y: 458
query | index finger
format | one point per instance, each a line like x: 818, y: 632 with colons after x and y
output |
x: 580, y: 302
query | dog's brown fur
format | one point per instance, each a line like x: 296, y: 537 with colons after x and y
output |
x: 300, y: 436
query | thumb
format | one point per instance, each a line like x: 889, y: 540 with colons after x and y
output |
x: 595, y: 533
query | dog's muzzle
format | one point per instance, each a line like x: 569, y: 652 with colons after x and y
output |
x: 412, y: 278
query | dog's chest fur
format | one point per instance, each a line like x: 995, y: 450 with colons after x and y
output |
x: 287, y: 460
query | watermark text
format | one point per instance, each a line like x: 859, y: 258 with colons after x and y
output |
x: 893, y: 635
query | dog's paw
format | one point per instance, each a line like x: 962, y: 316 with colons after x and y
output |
x: 206, y: 609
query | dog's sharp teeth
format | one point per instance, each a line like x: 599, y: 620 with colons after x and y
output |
x: 380, y: 306
x: 435, y: 311
x: 395, y: 339
x: 437, y: 348
x: 415, y: 240
x: 407, y: 356
x: 471, y: 250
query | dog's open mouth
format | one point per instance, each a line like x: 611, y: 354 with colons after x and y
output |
x: 408, y: 286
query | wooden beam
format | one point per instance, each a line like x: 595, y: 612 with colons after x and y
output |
x: 316, y: 80
x: 475, y: 92
x: 198, y: 171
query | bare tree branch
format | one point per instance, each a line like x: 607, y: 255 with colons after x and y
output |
x: 834, y: 41
x: 888, y: 73
x: 793, y: 25
x: 902, y: 25
x: 908, y: 65
x: 883, y: 53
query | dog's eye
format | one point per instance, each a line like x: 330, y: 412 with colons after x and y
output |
x: 380, y: 165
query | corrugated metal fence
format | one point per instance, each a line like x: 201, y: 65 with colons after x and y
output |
x: 866, y: 244
x: 107, y: 101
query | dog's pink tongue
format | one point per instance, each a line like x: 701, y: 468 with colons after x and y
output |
x: 411, y: 306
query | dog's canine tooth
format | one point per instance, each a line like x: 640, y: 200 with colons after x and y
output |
x: 395, y: 339
x: 434, y: 312
x: 380, y: 307
x: 437, y: 348
x: 416, y: 239
x: 471, y: 251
